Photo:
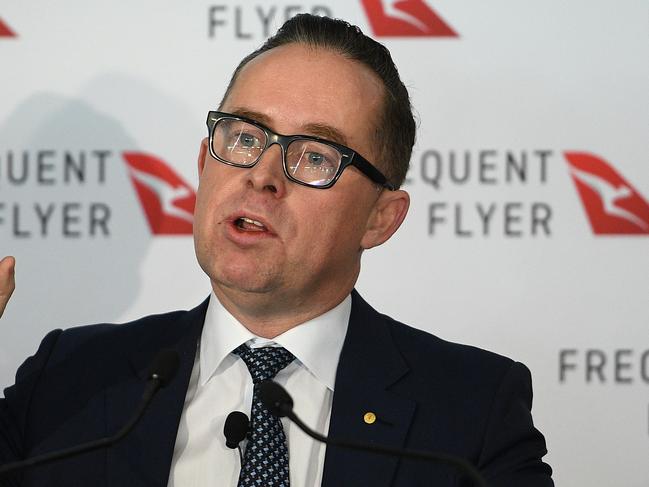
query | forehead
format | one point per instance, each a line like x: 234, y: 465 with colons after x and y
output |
x: 296, y: 87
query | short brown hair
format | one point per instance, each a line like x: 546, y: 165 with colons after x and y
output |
x: 395, y: 129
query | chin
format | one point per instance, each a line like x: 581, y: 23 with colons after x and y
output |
x: 246, y: 279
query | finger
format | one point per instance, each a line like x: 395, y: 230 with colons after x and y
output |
x: 7, y: 281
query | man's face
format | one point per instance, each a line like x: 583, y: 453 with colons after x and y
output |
x: 305, y: 248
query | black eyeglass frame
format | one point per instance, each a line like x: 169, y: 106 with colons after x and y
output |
x: 349, y: 156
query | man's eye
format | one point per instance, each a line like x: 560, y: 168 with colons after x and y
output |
x: 248, y: 140
x: 316, y: 159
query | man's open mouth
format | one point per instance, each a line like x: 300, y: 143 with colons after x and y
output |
x: 249, y: 225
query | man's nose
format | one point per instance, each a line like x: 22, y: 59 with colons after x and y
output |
x: 268, y: 173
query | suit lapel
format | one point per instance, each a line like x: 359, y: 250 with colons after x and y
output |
x: 369, y: 364
x: 144, y: 456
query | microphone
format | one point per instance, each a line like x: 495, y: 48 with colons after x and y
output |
x: 164, y: 367
x: 161, y: 373
x: 280, y: 404
x: 235, y: 430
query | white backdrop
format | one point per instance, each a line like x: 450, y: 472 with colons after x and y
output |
x: 503, y: 247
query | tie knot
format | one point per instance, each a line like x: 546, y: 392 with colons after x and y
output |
x: 264, y: 363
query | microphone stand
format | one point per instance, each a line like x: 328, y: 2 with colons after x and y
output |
x: 451, y: 460
x: 156, y: 381
x: 280, y: 404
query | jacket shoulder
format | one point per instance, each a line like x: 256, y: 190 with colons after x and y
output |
x: 88, y: 349
x: 416, y: 343
x: 120, y: 335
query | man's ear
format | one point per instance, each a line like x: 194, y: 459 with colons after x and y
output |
x: 203, y: 153
x: 387, y: 215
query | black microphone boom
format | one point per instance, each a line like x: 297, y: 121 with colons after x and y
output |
x: 164, y: 367
x: 162, y: 371
x: 280, y: 404
x: 275, y: 398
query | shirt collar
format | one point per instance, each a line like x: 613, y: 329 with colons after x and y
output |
x: 316, y: 343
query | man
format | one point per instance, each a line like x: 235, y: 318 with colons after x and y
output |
x: 280, y: 225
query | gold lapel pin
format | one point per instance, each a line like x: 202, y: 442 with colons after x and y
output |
x: 369, y: 417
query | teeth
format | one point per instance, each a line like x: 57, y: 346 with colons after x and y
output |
x: 252, y: 222
x: 250, y: 225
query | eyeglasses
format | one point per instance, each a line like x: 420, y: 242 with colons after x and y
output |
x: 310, y: 161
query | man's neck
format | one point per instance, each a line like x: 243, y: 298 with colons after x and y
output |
x: 267, y: 316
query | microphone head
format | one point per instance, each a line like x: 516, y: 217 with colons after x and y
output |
x: 275, y: 398
x: 164, y: 366
x: 235, y: 428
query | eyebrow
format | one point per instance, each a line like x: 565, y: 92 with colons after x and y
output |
x: 320, y: 130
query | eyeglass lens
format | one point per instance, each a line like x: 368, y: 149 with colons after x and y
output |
x: 242, y: 144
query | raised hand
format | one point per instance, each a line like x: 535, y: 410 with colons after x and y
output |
x: 7, y: 282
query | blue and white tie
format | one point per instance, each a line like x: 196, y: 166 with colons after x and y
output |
x: 266, y: 459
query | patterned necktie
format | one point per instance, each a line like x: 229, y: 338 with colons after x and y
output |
x: 266, y: 459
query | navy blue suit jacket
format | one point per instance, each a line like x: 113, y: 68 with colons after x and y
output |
x: 428, y: 394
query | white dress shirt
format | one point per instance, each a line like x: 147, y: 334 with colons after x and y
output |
x: 221, y: 383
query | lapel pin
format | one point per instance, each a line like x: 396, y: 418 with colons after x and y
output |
x: 369, y: 417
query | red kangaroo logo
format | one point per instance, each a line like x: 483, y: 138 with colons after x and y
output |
x: 167, y: 200
x: 405, y: 18
x: 5, y: 30
x: 613, y: 206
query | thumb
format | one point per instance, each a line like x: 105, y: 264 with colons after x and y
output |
x: 7, y: 282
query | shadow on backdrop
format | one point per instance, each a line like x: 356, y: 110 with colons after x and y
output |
x: 69, y: 214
